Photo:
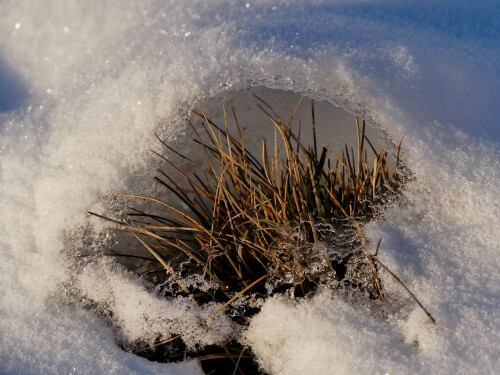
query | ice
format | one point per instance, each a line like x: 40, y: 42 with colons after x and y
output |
x: 85, y: 85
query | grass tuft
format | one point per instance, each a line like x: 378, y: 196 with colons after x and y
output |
x: 259, y: 222
x: 248, y: 216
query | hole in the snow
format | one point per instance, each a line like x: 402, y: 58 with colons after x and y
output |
x: 266, y: 193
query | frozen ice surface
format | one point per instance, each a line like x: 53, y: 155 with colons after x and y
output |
x: 84, y: 86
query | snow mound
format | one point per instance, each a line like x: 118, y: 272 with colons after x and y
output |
x: 328, y: 334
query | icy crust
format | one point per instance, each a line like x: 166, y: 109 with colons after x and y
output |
x: 141, y: 318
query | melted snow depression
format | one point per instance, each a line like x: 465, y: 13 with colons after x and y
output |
x: 84, y: 86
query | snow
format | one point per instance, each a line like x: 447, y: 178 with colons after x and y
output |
x: 85, y: 85
x: 330, y: 335
x: 148, y: 318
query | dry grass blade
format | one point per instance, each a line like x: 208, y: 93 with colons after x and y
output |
x: 237, y: 296
x: 431, y: 318
x: 219, y: 356
x: 162, y: 261
x: 158, y: 344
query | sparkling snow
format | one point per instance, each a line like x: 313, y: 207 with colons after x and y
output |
x: 84, y: 85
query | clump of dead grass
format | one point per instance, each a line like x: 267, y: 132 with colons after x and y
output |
x: 249, y: 217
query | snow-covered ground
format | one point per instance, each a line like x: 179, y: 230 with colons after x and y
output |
x: 84, y: 85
